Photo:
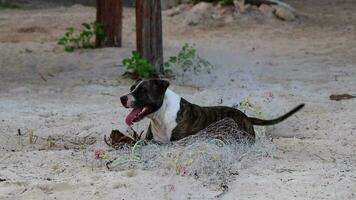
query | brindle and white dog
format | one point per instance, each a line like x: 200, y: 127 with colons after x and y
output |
x: 173, y: 118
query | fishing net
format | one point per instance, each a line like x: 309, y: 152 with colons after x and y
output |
x: 214, y: 155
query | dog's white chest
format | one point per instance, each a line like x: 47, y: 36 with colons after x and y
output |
x: 164, y: 121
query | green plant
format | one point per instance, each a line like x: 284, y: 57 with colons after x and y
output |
x: 9, y: 6
x: 187, y: 59
x: 138, y: 67
x: 69, y: 40
x: 85, y: 39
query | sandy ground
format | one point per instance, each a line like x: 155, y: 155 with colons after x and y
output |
x: 275, y: 64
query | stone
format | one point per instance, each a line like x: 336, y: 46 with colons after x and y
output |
x: 284, y: 14
x: 202, y: 7
x: 172, y: 12
x: 267, y: 10
x: 193, y: 18
x: 176, y: 10
x: 198, y: 13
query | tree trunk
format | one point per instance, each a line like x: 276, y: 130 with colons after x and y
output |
x: 149, y: 32
x: 109, y: 14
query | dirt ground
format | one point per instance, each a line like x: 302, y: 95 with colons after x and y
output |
x: 71, y: 100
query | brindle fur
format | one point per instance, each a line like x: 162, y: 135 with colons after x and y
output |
x: 192, y: 118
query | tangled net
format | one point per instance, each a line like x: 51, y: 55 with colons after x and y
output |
x: 214, y: 155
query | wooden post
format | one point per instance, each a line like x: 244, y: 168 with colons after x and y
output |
x: 109, y: 13
x: 149, y: 32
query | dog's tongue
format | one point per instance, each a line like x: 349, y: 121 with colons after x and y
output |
x: 131, y: 117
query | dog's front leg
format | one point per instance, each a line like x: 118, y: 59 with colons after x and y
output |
x: 149, y: 134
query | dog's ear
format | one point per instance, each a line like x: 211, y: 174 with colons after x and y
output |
x: 165, y: 84
x: 135, y: 84
x: 162, y: 84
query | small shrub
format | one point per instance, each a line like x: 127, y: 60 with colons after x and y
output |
x: 69, y: 40
x: 83, y: 40
x: 187, y: 59
x: 138, y: 67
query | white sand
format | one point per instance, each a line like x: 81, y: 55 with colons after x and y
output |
x: 277, y: 65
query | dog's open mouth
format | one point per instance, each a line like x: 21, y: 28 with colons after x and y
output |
x: 136, y: 115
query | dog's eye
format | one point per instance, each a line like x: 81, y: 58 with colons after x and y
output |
x: 132, y: 88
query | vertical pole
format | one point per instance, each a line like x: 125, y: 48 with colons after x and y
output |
x: 109, y: 14
x: 149, y: 32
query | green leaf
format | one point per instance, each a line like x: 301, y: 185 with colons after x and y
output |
x: 86, y: 25
x: 136, y: 55
x: 62, y: 41
x: 126, y: 61
x: 130, y: 67
x: 138, y: 65
x: 173, y: 59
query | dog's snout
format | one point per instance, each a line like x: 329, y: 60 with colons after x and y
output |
x: 123, y: 100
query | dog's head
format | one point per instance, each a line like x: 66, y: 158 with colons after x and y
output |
x: 145, y: 97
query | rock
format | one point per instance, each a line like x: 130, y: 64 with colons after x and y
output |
x: 176, y: 10
x: 253, y: 7
x: 198, y: 13
x: 202, y: 7
x: 267, y: 10
x: 172, y: 12
x: 284, y: 14
x: 193, y: 18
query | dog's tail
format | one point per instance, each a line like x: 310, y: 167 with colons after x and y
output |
x: 261, y: 122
